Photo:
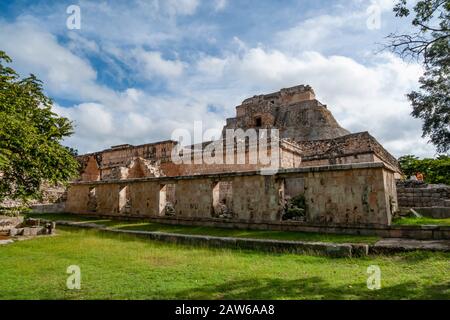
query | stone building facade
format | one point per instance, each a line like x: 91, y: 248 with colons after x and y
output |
x: 309, y: 135
x: 339, y: 178
x: 338, y: 195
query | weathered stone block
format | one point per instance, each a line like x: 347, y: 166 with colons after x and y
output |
x: 31, y: 231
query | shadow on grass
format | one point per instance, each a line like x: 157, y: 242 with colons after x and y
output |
x: 311, y: 288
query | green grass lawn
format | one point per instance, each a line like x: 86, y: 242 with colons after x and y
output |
x: 413, y: 221
x: 210, y: 231
x: 117, y: 266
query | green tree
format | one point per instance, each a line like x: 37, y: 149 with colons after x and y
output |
x: 30, y: 137
x: 429, y: 43
x: 434, y: 170
x: 408, y: 164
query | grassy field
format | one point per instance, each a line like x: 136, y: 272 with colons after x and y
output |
x: 126, y: 267
x: 220, y: 232
x: 413, y: 221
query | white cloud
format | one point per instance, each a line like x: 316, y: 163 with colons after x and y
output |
x: 211, y: 66
x: 363, y: 95
x: 311, y: 32
x: 92, y: 119
x: 220, y: 5
x: 385, y: 5
x: 106, y: 117
x: 38, y: 52
x: 345, y: 30
x: 80, y: 43
x: 153, y: 64
x: 181, y: 7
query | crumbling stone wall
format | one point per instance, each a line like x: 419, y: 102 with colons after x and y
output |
x: 414, y: 194
x: 116, y: 162
x: 353, y: 148
x: 294, y: 111
x: 134, y: 168
x: 335, y: 195
x: 121, y: 155
x: 90, y: 168
x: 52, y: 200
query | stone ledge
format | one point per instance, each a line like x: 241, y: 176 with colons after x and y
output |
x: 406, y: 245
x: 434, y: 212
x: 344, y: 250
x: 429, y: 232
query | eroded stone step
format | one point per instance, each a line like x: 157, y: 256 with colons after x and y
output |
x: 396, y: 245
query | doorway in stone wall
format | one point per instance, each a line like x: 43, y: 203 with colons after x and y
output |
x: 92, y: 199
x: 258, y: 122
x: 222, y: 199
x: 293, y: 198
x: 167, y: 199
x: 124, y: 200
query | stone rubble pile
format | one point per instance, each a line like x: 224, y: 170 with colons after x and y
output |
x: 13, y: 228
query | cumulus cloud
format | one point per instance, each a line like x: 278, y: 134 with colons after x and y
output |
x: 181, y: 7
x: 151, y: 63
x: 363, y: 92
x: 220, y: 5
x: 211, y: 66
x: 361, y: 97
x: 301, y: 37
x: 107, y: 116
x: 38, y: 52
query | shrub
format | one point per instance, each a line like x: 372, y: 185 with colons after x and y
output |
x: 295, y: 208
x: 434, y: 170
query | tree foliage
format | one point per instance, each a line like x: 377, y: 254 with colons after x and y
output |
x: 434, y: 170
x: 429, y: 43
x: 30, y: 137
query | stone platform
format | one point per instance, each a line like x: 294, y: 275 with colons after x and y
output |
x: 336, y: 250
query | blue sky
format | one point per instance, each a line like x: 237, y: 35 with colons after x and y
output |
x: 137, y: 70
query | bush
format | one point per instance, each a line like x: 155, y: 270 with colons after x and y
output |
x: 295, y: 208
x: 434, y: 170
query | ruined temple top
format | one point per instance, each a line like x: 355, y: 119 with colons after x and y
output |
x: 294, y: 111
x: 285, y: 96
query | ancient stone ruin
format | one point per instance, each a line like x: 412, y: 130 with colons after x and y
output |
x: 294, y: 111
x: 431, y: 200
x: 18, y: 228
x: 309, y: 136
x: 326, y: 175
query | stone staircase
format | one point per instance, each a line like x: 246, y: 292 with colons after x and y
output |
x: 431, y: 199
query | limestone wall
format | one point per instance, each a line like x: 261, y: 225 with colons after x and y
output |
x: 346, y: 197
x: 247, y: 159
x: 357, y: 194
x: 422, y: 195
x: 121, y: 155
x: 353, y: 148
